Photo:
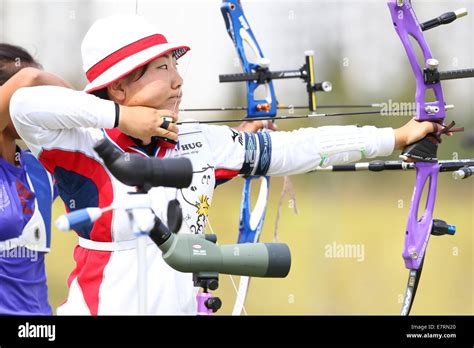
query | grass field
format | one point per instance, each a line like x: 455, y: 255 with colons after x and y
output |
x: 364, y: 210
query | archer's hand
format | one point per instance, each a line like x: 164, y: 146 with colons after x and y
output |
x: 255, y: 126
x: 414, y: 131
x: 143, y: 123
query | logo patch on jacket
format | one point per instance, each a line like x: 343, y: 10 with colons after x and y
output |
x: 191, y: 146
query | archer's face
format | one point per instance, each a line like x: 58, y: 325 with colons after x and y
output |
x: 158, y: 86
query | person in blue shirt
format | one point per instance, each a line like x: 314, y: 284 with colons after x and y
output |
x: 26, y: 196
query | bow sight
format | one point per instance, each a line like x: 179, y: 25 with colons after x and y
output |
x: 261, y: 74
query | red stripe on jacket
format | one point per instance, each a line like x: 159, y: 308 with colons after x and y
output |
x: 90, y: 264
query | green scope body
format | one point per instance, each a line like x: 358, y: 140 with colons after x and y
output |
x: 192, y: 253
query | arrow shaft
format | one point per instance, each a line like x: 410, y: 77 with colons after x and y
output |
x: 405, y: 113
x: 286, y: 107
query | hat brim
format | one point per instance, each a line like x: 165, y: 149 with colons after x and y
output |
x: 129, y: 64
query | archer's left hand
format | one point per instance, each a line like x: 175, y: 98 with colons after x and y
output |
x: 413, y: 131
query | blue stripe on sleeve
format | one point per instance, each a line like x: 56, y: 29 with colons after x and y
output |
x: 265, y: 155
x: 250, y: 154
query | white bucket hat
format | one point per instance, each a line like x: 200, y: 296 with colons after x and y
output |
x: 115, y: 46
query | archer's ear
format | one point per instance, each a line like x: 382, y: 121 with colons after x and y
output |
x: 116, y: 91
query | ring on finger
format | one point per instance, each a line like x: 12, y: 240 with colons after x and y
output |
x: 165, y: 124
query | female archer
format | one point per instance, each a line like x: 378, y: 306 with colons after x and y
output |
x: 133, y: 86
